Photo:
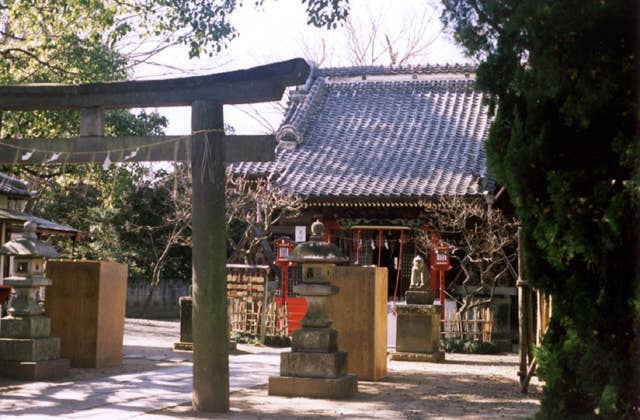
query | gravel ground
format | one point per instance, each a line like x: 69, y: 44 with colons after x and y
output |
x: 463, y: 387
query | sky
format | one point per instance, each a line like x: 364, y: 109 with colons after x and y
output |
x: 279, y: 32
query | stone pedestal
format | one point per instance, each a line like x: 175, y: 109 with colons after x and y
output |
x: 418, y: 333
x: 314, y: 368
x: 419, y: 297
x: 26, y: 349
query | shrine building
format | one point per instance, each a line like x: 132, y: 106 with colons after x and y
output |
x: 365, y: 146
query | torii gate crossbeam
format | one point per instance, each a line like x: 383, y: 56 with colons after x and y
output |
x: 207, y: 148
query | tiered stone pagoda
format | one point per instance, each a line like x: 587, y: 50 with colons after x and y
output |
x: 315, y: 368
x: 26, y: 349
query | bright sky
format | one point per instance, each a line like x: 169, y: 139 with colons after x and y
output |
x: 279, y: 32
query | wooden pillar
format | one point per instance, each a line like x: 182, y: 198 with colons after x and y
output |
x: 209, y: 255
x: 523, y: 341
x: 3, y: 234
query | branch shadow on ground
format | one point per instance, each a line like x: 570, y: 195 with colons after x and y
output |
x: 404, y: 394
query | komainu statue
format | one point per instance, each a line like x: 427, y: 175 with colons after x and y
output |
x: 417, y: 273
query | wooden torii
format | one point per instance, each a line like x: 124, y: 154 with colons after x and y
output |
x: 207, y: 148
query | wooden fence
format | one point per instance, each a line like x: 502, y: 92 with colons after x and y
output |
x: 248, y: 316
x: 475, y: 324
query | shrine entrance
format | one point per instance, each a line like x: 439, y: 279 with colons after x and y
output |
x: 391, y: 247
x: 207, y: 148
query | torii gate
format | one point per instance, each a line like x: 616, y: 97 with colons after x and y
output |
x: 207, y: 148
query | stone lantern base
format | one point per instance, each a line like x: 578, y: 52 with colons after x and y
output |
x: 34, y: 371
x: 314, y: 368
x: 30, y: 358
x: 290, y: 386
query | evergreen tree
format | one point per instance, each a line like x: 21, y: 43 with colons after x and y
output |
x: 563, y: 77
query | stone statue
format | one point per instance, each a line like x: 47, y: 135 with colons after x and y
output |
x: 417, y: 273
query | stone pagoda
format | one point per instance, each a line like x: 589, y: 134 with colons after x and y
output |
x: 315, y: 368
x: 26, y: 349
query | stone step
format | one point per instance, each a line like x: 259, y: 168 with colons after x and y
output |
x: 288, y: 386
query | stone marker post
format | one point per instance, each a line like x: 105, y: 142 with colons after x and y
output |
x: 315, y: 368
x: 26, y: 349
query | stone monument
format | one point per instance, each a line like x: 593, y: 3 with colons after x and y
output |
x: 418, y: 323
x: 315, y: 368
x: 26, y: 349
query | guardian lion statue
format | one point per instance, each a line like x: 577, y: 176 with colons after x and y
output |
x: 417, y: 273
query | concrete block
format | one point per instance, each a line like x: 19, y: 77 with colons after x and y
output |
x: 315, y: 340
x: 27, y: 327
x: 29, y: 349
x: 287, y: 386
x: 313, y: 365
x: 34, y: 371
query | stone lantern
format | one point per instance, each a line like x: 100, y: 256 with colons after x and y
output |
x: 26, y: 349
x: 315, y: 368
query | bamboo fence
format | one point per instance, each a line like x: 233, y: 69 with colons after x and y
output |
x: 475, y: 324
x: 247, y: 316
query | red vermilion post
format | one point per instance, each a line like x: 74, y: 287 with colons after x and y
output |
x: 441, y: 272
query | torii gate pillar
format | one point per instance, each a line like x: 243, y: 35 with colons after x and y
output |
x: 210, y: 335
x: 207, y: 147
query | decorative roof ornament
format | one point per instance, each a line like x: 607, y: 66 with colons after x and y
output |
x: 288, y: 134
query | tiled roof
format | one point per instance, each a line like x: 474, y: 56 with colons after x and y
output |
x: 19, y: 217
x: 13, y: 187
x: 380, y: 134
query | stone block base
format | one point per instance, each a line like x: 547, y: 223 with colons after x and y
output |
x: 317, y: 340
x: 187, y: 346
x: 288, y: 386
x: 313, y: 365
x: 34, y: 371
x: 436, y: 357
x: 184, y: 346
x: 29, y: 350
x: 27, y: 327
x: 419, y: 297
